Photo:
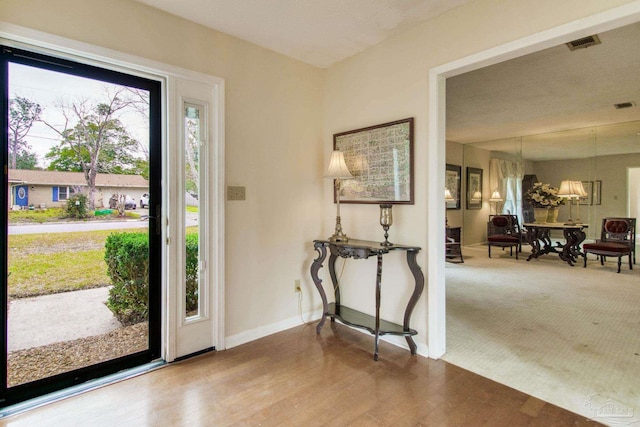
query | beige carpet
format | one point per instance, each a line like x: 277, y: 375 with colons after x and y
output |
x: 567, y: 335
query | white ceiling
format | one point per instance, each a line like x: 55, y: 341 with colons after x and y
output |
x: 318, y: 32
x: 554, y: 97
x: 546, y: 96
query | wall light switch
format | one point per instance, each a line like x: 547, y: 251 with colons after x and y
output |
x: 236, y: 193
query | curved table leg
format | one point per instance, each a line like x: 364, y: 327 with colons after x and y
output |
x: 315, y: 267
x: 417, y: 291
x: 571, y: 249
x: 532, y: 238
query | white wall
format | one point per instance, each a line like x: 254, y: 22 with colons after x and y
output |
x: 273, y: 141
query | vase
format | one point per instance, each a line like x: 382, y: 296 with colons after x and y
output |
x: 552, y: 215
x: 540, y: 215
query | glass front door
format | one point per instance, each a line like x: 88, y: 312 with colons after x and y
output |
x: 81, y: 248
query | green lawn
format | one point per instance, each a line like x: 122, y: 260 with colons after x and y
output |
x: 48, y: 263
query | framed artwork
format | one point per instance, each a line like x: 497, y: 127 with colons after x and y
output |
x: 474, y: 188
x: 597, y: 192
x: 588, y: 188
x: 380, y: 158
x: 452, y: 183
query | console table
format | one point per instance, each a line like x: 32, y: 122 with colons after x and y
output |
x: 362, y: 249
x: 540, y: 241
x: 452, y: 244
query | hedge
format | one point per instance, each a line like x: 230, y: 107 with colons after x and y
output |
x: 127, y: 258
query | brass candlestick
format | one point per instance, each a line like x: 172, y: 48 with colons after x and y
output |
x: 386, y: 220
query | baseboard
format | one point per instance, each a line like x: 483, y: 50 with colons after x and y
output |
x: 263, y: 331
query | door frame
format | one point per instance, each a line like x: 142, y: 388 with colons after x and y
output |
x: 436, y: 152
x: 169, y: 76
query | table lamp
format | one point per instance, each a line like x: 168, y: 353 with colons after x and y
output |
x: 338, y: 170
x: 568, y: 191
x: 495, y: 199
x: 448, y: 198
x: 581, y: 192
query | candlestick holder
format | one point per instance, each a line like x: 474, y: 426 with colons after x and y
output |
x: 386, y: 220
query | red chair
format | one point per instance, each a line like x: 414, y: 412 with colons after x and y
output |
x: 504, y: 231
x: 617, y: 239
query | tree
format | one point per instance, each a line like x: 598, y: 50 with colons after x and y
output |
x: 27, y: 160
x: 23, y: 113
x: 94, y: 140
x: 192, y: 153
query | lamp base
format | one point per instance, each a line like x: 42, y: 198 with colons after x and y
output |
x: 338, y: 235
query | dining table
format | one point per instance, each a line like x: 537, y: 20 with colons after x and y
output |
x: 539, y: 237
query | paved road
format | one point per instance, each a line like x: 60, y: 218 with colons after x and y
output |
x: 62, y: 227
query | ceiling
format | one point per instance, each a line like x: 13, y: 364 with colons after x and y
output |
x: 554, y: 97
x: 318, y: 32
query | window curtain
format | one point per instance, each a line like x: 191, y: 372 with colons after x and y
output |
x: 506, y: 177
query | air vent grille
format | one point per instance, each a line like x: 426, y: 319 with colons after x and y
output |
x: 624, y: 105
x: 584, y: 42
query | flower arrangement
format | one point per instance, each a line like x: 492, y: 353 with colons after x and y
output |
x: 544, y: 196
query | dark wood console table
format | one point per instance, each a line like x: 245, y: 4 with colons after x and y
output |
x: 452, y: 244
x: 361, y: 249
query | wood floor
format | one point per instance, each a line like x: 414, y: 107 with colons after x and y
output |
x: 296, y: 378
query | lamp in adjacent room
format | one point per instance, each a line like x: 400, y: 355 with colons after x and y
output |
x: 448, y: 198
x: 569, y: 191
x: 495, y: 199
x: 581, y: 192
x: 338, y: 170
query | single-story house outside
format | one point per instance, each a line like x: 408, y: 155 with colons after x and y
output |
x: 52, y: 188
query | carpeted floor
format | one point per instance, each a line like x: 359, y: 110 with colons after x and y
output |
x: 567, y: 335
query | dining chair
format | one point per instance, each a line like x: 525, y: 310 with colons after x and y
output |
x: 617, y: 239
x: 504, y: 231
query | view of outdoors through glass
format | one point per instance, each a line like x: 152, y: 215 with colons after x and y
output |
x: 192, y: 142
x: 78, y: 229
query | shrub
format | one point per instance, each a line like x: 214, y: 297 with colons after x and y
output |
x: 76, y: 206
x: 191, y: 274
x: 127, y: 258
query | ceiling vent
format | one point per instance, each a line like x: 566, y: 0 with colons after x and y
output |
x: 584, y: 42
x: 622, y: 105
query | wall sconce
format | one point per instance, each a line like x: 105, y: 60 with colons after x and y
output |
x: 338, y: 170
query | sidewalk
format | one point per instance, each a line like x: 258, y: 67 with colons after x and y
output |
x: 39, y: 321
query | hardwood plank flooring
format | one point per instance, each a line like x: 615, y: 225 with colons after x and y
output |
x: 297, y: 378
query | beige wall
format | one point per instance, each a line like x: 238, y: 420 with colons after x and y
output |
x: 280, y: 118
x: 273, y: 141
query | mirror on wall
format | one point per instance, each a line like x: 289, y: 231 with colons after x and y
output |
x: 600, y: 157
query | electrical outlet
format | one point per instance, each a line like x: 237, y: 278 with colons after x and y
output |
x: 296, y: 286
